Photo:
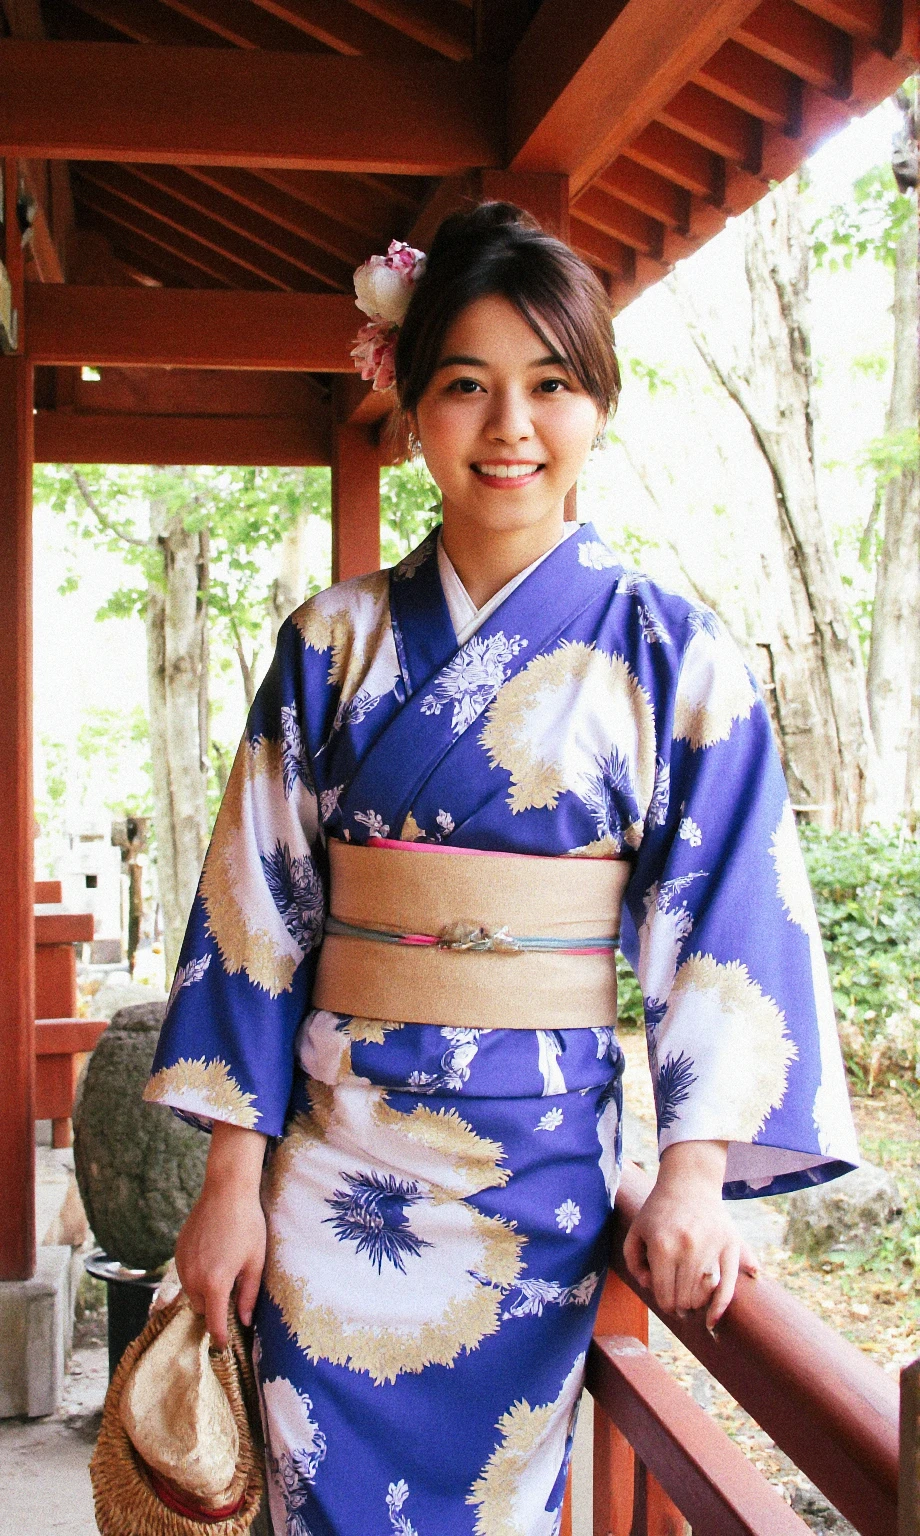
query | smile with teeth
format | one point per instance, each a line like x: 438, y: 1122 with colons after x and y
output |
x: 502, y: 471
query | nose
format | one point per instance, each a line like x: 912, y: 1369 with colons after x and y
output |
x: 510, y: 420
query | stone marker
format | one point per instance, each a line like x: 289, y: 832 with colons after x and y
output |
x: 138, y: 1167
x: 848, y: 1213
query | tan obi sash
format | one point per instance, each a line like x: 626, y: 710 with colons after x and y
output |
x: 486, y: 900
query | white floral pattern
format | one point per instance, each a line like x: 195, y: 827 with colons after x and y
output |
x: 186, y: 975
x: 529, y: 1297
x: 446, y: 822
x: 568, y: 1215
x: 471, y: 681
x: 595, y: 556
x: 376, y: 826
x: 550, y: 1121
x: 689, y: 832
x: 397, y: 1494
x: 329, y: 801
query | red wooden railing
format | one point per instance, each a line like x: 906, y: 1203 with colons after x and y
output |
x: 660, y: 1461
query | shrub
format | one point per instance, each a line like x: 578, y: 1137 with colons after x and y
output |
x: 867, y: 894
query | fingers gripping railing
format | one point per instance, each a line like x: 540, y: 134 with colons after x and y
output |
x: 832, y: 1410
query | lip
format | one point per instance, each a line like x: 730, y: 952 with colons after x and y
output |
x: 508, y: 482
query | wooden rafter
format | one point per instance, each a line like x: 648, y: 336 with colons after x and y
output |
x: 867, y: 19
x: 801, y: 42
x: 646, y: 190
x: 127, y: 199
x: 279, y: 209
x: 602, y: 211
x: 102, y: 101
x: 175, y: 328
x: 365, y: 206
x: 125, y: 214
x: 442, y: 25
x: 582, y: 84
x: 343, y: 28
x: 242, y: 24
x: 715, y: 124
x: 754, y: 84
x: 148, y: 258
x: 145, y: 21
x: 678, y: 159
x: 214, y: 215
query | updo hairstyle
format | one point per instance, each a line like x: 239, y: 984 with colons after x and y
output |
x: 498, y: 249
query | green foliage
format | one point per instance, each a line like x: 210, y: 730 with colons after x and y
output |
x: 630, y: 1010
x: 870, y: 225
x: 409, y: 507
x: 867, y: 894
x: 892, y: 455
x: 653, y: 378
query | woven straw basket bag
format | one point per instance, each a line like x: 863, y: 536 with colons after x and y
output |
x: 180, y: 1448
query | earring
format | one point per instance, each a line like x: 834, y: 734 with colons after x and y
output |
x: 600, y: 438
x: 415, y: 447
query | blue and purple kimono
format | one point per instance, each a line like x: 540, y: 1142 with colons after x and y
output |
x: 438, y: 1199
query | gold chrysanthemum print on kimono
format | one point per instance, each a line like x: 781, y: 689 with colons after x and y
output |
x: 438, y: 1198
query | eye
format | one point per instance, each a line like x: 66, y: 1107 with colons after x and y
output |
x: 463, y: 386
x: 552, y: 386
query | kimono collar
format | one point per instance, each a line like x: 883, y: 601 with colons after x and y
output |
x: 465, y: 616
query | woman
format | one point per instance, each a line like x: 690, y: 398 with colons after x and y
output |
x: 448, y: 1108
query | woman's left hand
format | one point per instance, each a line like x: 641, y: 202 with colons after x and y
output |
x: 682, y: 1244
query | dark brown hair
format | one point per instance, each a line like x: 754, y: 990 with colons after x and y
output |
x: 497, y: 248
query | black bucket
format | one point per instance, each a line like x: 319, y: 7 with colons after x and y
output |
x: 130, y: 1292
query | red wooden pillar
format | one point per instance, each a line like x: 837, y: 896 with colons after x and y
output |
x: 355, y: 494
x: 17, y: 917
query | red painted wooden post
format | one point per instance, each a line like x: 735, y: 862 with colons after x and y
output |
x: 621, y: 1312
x: 909, y: 1460
x: 17, y: 933
x: 355, y: 498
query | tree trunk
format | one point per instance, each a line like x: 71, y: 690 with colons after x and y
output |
x: 177, y: 683
x: 894, y: 654
x: 289, y: 587
x: 811, y: 657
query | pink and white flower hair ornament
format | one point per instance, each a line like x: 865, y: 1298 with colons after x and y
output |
x: 384, y: 287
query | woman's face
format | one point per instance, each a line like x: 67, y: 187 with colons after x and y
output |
x: 504, y: 426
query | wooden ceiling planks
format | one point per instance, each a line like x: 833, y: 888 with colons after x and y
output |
x: 666, y: 118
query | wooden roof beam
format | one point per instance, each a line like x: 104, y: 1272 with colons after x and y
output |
x: 680, y: 160
x: 223, y: 106
x: 646, y: 190
x: 442, y: 25
x: 176, y: 328
x: 126, y: 214
x: 74, y: 437
x: 364, y: 205
x: 344, y: 29
x: 112, y: 190
x: 602, y: 211
x: 602, y: 250
x: 714, y: 124
x: 754, y: 84
x: 866, y: 19
x: 241, y: 24
x: 219, y: 211
x: 284, y: 212
x: 134, y: 249
x: 803, y: 43
x: 583, y: 82
x: 146, y: 21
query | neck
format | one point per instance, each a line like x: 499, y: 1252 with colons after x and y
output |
x: 486, y: 558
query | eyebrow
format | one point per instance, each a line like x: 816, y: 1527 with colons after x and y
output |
x: 552, y: 359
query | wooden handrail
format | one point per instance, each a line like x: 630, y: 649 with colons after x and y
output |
x: 823, y: 1402
x: 710, y: 1480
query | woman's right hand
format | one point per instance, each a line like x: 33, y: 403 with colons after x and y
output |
x: 222, y: 1245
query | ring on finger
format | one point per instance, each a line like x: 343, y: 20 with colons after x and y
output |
x: 713, y: 1273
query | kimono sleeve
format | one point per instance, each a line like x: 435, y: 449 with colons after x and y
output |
x: 242, y: 986
x: 720, y: 928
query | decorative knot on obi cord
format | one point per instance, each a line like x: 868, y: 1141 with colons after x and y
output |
x: 476, y: 938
